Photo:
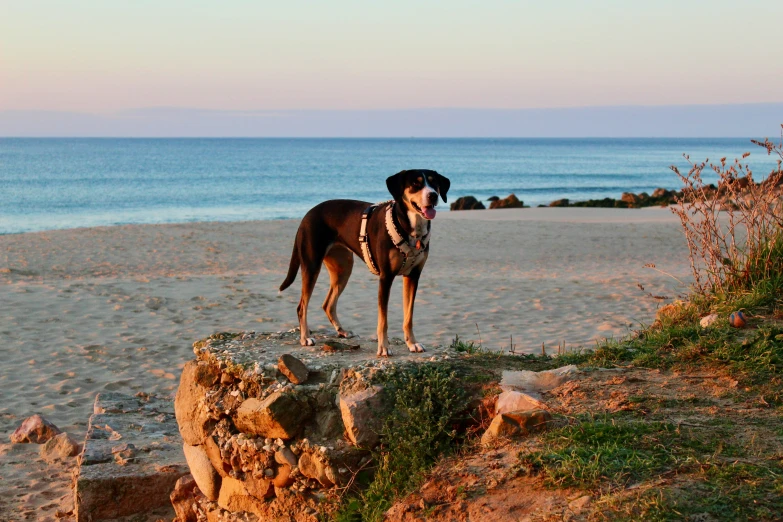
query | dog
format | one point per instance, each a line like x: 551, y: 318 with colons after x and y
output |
x: 392, y: 238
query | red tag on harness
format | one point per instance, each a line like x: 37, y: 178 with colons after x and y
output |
x: 418, y: 244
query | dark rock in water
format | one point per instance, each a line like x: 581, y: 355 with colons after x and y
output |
x: 510, y: 202
x: 559, y: 203
x: 601, y: 203
x: 467, y: 203
x: 631, y: 199
x: 293, y: 368
x: 493, y: 198
x: 662, y: 193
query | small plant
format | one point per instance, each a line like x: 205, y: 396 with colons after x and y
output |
x: 418, y: 431
x: 733, y: 230
x: 469, y: 347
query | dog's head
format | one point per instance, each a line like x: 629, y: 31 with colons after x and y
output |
x: 418, y: 190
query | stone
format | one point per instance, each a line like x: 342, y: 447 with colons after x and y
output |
x: 578, y: 505
x: 510, y: 202
x: 183, y: 498
x: 534, y: 383
x: 329, y: 424
x: 213, y: 454
x: 286, y: 456
x: 106, y: 490
x: 708, y: 320
x: 293, y: 368
x: 259, y: 487
x: 193, y: 419
x: 59, y: 447
x: 492, y: 198
x: 35, y: 429
x: 516, y: 424
x: 283, y: 478
x: 360, y: 412
x: 511, y: 400
x: 467, y: 203
x: 235, y: 497
x: 205, y: 475
x: 560, y: 203
x: 123, y: 453
x: 336, y: 346
x: 312, y: 466
x: 631, y: 199
x: 278, y: 416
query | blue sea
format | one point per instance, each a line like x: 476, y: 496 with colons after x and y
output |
x: 66, y: 183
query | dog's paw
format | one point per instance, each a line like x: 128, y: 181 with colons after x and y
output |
x: 416, y: 347
x: 344, y: 334
x: 384, y: 351
x: 309, y: 341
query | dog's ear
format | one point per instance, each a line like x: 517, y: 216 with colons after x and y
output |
x: 442, y: 185
x: 396, y: 184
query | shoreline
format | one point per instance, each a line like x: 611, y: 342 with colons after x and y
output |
x: 538, y: 214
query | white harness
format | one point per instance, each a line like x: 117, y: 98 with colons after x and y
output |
x: 412, y: 254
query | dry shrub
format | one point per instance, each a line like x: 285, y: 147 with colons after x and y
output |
x: 733, y: 230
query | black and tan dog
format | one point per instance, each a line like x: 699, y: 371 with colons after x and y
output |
x: 392, y: 238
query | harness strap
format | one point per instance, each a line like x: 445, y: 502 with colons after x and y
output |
x: 363, y: 241
x: 411, y: 254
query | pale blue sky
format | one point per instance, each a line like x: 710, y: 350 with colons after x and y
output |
x: 104, y: 56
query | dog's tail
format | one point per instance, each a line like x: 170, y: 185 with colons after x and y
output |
x: 293, y: 268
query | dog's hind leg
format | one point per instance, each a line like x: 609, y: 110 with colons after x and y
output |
x: 339, y: 263
x: 310, y: 270
x: 410, y: 284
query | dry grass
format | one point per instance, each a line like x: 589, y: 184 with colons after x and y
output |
x: 733, y: 230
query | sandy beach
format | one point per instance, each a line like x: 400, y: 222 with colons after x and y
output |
x: 117, y: 308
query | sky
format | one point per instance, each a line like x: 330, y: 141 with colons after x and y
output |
x: 101, y: 57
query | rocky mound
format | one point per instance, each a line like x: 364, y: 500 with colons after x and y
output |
x: 274, y: 429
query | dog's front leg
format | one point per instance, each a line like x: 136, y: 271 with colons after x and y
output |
x: 409, y: 285
x: 384, y: 289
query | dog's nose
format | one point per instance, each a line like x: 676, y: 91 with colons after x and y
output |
x: 432, y: 198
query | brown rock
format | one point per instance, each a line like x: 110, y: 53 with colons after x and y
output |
x: 259, y: 487
x: 213, y: 454
x: 206, y: 477
x: 183, y: 498
x: 360, y: 413
x: 631, y: 199
x: 293, y: 368
x: 467, y: 203
x: 510, y: 202
x: 278, y: 416
x: 516, y: 423
x: 283, y: 478
x: 329, y: 424
x: 286, y: 456
x: 234, y: 497
x: 312, y: 466
x: 192, y: 418
x: 60, y: 446
x: 35, y: 430
x: 559, y: 203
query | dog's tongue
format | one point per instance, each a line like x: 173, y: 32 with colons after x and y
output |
x: 429, y: 212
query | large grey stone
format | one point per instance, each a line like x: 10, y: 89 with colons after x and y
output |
x: 106, y: 489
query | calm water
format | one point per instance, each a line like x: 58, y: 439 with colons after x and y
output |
x: 65, y: 183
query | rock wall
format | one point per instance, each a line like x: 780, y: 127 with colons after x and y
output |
x: 273, y: 430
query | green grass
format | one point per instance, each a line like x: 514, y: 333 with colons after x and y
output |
x: 419, y: 429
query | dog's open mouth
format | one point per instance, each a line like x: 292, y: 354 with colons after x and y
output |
x: 428, y: 211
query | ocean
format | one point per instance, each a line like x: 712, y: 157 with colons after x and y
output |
x: 67, y: 183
